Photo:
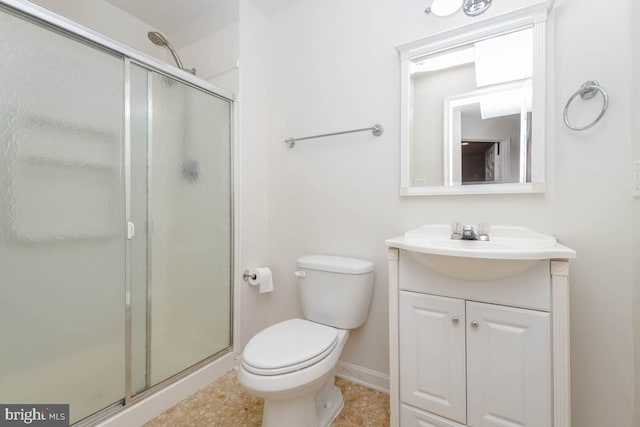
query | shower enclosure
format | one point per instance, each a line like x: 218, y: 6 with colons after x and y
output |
x: 115, y: 218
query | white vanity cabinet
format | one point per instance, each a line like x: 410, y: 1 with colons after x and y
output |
x: 491, y: 351
x: 474, y: 363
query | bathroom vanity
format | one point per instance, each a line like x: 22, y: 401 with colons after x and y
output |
x: 479, y: 331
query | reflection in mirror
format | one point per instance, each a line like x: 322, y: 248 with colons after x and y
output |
x: 481, y: 161
x: 473, y: 110
x: 501, y: 115
x: 485, y: 88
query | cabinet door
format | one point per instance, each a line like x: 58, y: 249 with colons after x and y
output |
x: 432, y: 354
x: 508, y: 366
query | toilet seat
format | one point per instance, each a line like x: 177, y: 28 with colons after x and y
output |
x: 288, y: 346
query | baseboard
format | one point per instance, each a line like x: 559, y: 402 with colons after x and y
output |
x: 363, y: 376
x: 152, y: 406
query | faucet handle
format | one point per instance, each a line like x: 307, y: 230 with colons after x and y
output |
x: 483, y: 231
x: 456, y: 230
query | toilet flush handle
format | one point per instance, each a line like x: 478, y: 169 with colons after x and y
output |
x: 300, y: 274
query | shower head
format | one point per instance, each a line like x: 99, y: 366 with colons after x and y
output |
x: 160, y: 40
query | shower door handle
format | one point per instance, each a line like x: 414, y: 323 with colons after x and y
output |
x: 131, y: 230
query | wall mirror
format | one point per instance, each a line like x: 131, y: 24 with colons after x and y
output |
x: 473, y: 107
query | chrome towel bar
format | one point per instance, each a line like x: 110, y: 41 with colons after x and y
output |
x: 377, y: 130
x: 587, y: 91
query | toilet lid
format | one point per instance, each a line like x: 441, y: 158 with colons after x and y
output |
x: 288, y: 346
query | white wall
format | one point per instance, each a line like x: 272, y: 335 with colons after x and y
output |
x: 256, y: 311
x: 216, y: 56
x: 107, y: 19
x: 323, y: 66
x: 592, y: 206
x: 211, y: 41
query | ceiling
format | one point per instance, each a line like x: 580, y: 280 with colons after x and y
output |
x: 169, y: 15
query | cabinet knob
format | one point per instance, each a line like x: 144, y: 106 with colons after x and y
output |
x: 455, y: 320
x: 474, y: 324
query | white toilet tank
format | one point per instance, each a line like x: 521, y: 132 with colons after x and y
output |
x: 336, y: 291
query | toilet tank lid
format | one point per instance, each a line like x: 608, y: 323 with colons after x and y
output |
x: 335, y: 264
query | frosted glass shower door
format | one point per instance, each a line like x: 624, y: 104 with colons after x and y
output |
x: 189, y: 206
x: 62, y: 262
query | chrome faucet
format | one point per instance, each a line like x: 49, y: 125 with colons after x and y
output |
x: 468, y: 232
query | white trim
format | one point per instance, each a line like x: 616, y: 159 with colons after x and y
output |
x: 363, y: 376
x: 538, y: 103
x: 141, y: 412
x: 460, y: 36
x: 65, y: 24
x: 406, y: 97
x: 530, y: 187
x: 393, y: 254
x: 560, y: 335
x: 534, y: 16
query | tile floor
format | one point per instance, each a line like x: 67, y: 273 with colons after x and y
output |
x: 224, y: 403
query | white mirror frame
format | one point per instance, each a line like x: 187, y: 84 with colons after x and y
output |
x: 534, y: 16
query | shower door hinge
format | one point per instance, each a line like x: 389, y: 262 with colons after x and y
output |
x: 131, y: 230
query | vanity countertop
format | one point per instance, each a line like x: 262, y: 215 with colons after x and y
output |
x: 506, y: 242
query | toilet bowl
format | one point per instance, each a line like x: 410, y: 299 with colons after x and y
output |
x: 292, y: 364
x: 289, y: 387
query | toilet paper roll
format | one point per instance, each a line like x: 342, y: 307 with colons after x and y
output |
x: 264, y: 278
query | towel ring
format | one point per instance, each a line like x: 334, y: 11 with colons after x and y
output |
x: 587, y: 91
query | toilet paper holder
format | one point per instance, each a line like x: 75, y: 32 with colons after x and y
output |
x: 246, y: 275
x: 262, y: 277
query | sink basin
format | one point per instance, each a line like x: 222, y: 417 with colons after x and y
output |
x: 511, y: 251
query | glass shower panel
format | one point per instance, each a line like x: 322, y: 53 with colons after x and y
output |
x: 62, y: 263
x: 190, y: 227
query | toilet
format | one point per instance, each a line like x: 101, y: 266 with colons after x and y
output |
x: 291, y: 364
